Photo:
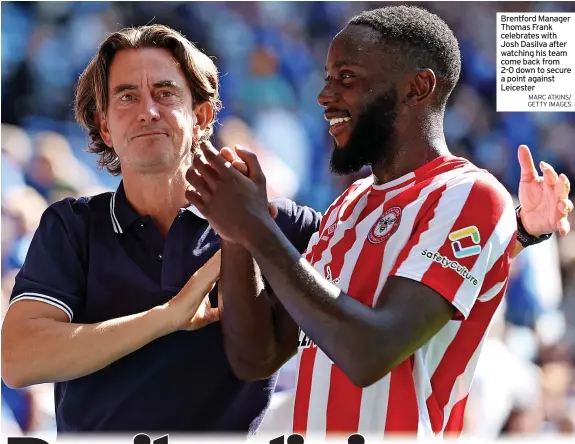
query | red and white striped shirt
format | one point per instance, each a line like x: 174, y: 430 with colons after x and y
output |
x: 449, y: 225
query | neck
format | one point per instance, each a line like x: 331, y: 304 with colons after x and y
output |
x: 159, y: 195
x: 423, y: 142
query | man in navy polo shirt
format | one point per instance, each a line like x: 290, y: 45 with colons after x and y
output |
x: 101, y: 306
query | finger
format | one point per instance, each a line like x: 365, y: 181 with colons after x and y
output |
x: 206, y: 276
x: 216, y: 161
x: 549, y: 174
x: 240, y: 166
x: 205, y: 171
x: 563, y: 187
x: 528, y: 170
x: 211, y: 314
x: 199, y: 183
x: 565, y: 206
x: 195, y: 199
x: 228, y: 154
x: 273, y: 210
x: 563, y: 226
x: 254, y: 168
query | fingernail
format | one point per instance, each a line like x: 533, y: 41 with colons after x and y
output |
x: 544, y: 166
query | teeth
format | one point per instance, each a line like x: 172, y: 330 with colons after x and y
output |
x: 332, y: 122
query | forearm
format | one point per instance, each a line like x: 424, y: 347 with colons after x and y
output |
x: 246, y: 313
x: 345, y: 329
x: 45, y: 350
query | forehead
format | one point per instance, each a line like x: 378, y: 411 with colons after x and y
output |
x: 356, y: 44
x: 147, y: 65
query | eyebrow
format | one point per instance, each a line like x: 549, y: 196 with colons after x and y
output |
x: 160, y: 84
x: 345, y: 63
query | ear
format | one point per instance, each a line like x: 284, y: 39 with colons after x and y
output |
x: 204, y: 113
x: 420, y: 86
x: 102, y: 123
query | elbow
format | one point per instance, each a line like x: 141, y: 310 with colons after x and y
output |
x: 13, y: 373
x: 365, y: 371
x: 365, y: 378
x: 250, y: 371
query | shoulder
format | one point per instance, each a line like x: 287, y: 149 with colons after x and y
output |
x: 292, y: 213
x: 298, y: 222
x: 75, y: 215
x: 462, y: 180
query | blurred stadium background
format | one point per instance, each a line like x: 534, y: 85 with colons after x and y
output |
x: 271, y: 57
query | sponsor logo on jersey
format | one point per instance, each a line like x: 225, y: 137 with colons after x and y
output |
x: 456, y: 238
x: 447, y: 263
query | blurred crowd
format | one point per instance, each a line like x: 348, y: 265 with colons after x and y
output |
x: 271, y: 57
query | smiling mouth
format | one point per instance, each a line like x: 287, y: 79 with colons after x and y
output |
x: 338, y: 125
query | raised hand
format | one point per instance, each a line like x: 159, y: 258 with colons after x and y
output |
x: 544, y: 199
x: 231, y: 202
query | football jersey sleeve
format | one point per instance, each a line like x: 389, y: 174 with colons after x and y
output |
x: 462, y: 243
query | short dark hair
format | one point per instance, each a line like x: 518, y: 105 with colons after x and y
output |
x: 92, y: 89
x: 424, y: 40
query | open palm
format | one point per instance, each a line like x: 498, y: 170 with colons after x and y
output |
x: 544, y: 199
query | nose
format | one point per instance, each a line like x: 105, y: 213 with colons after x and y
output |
x: 148, y: 111
x: 326, y: 96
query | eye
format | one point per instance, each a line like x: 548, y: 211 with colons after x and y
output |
x: 166, y: 93
x: 126, y: 98
x: 346, y: 75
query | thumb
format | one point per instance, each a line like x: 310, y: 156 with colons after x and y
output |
x: 255, y: 172
x: 528, y: 170
x: 273, y: 210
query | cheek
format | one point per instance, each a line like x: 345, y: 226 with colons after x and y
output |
x: 183, y: 120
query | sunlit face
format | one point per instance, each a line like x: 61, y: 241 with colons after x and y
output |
x: 150, y: 117
x: 360, y: 99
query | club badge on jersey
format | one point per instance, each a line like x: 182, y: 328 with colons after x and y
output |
x: 385, y: 226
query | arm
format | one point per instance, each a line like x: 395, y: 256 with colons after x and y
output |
x: 260, y: 335
x: 39, y: 341
x: 40, y: 345
x: 367, y: 342
x: 346, y: 330
x: 246, y: 315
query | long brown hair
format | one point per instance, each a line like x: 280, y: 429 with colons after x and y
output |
x: 92, y: 90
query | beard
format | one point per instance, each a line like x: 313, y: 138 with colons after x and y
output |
x: 370, y: 141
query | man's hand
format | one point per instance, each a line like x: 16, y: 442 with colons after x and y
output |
x: 544, y: 200
x: 190, y: 309
x: 234, y: 205
x: 236, y: 161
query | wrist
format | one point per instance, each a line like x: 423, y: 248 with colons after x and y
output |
x: 162, y: 319
x: 524, y: 235
x: 260, y: 233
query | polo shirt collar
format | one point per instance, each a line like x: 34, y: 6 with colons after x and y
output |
x: 123, y: 215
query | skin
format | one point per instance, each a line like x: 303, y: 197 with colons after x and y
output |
x: 39, y: 344
x: 148, y: 93
x: 354, y: 336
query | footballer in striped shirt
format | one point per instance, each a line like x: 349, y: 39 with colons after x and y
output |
x: 391, y: 303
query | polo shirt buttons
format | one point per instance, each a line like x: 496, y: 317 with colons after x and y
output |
x: 159, y: 257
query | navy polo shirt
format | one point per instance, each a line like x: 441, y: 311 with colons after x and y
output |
x: 97, y: 259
